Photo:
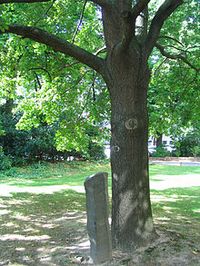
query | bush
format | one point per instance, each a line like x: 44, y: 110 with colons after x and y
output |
x: 96, y: 151
x: 189, y: 144
x: 161, y: 152
x: 5, y: 161
x: 196, y: 151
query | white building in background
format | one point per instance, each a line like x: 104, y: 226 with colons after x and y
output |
x: 166, y: 141
x: 107, y: 151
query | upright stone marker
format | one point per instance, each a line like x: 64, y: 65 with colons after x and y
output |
x: 96, y: 187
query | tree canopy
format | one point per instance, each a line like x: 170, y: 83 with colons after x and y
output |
x: 50, y: 84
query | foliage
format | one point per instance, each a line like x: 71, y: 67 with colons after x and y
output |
x: 23, y: 145
x: 38, y: 143
x: 174, y: 97
x: 161, y: 152
x: 188, y: 144
x: 53, y: 88
x: 96, y: 151
x: 5, y: 161
x: 96, y: 143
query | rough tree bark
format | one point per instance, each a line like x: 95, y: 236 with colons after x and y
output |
x: 131, y: 213
x: 128, y: 79
x: 125, y: 70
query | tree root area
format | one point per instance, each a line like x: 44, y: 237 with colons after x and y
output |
x: 63, y: 241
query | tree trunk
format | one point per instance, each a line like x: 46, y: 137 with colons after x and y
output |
x: 159, y: 140
x: 131, y: 209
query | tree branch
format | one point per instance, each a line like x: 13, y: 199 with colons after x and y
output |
x: 43, y: 69
x: 165, y: 10
x: 101, y: 50
x: 127, y: 25
x: 38, y: 82
x: 175, y: 56
x: 45, y: 14
x: 80, y: 21
x: 139, y: 7
x: 102, y: 3
x: 22, y: 1
x: 176, y: 48
x: 58, y: 45
x: 171, y: 38
x: 128, y: 29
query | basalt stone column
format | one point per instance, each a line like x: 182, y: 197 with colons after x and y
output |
x: 96, y: 187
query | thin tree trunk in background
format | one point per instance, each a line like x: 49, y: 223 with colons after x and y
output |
x: 159, y: 140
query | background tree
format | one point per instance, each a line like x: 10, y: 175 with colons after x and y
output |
x: 173, y: 95
x: 188, y: 143
x: 38, y: 143
x: 48, y: 90
x: 129, y: 38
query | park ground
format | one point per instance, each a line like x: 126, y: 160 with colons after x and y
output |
x: 43, y: 218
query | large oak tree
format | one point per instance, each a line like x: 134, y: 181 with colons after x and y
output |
x: 130, y: 37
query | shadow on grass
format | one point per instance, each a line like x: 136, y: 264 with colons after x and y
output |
x: 50, y: 229
x: 178, y: 209
x: 42, y: 229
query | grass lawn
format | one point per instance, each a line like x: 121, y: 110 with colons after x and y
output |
x: 46, y: 174
x: 42, y: 209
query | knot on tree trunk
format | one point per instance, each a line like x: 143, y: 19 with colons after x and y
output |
x: 131, y: 124
x: 115, y: 148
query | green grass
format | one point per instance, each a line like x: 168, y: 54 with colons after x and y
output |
x: 183, y: 201
x: 43, y: 174
x: 74, y: 173
x: 33, y: 208
x: 173, y: 170
x: 177, y: 201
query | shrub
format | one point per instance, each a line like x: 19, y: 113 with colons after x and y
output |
x: 96, y: 151
x: 196, y: 151
x: 189, y: 144
x: 5, y: 161
x: 161, y: 152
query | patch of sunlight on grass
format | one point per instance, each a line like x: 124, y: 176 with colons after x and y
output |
x: 168, y: 209
x: 196, y: 210
x: 7, y: 190
x: 163, y: 219
x: 12, y: 237
x: 161, y: 182
x: 159, y: 198
x: 156, y: 170
x: 178, y: 204
x: 84, y: 245
x: 16, y: 264
x: 45, y: 174
x: 75, y: 173
x: 3, y: 212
